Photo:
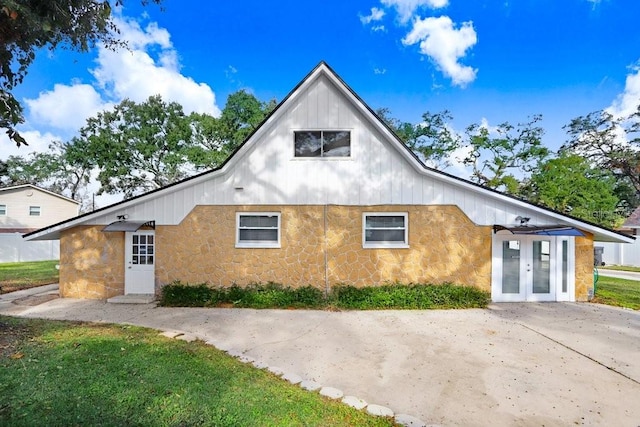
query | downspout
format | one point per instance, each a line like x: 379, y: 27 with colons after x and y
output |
x: 326, y: 255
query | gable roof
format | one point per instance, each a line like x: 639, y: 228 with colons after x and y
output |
x: 323, y: 69
x: 35, y: 187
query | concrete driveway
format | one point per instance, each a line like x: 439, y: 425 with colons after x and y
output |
x: 513, y: 364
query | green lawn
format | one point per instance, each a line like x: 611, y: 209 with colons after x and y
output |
x: 621, y: 268
x: 21, y: 275
x: 63, y: 373
x: 618, y: 292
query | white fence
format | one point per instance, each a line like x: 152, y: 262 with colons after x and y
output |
x: 621, y: 253
x: 13, y: 248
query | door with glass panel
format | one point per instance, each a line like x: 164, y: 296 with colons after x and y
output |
x: 140, y: 256
x: 524, y: 268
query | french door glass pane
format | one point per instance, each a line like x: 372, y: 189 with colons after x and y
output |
x: 541, y: 267
x: 511, y: 267
x: 565, y: 265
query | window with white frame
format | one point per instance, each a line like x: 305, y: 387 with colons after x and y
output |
x: 34, y: 210
x: 3, y: 210
x: 385, y: 230
x: 258, y: 229
x: 322, y: 143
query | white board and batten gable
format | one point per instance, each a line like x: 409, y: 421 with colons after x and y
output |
x: 380, y: 170
x: 28, y: 207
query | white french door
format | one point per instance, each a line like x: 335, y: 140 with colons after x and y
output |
x: 140, y: 257
x: 532, y: 268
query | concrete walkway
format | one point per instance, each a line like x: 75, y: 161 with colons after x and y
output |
x: 552, y: 364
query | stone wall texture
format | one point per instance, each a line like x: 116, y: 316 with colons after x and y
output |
x: 584, y: 266
x: 445, y: 246
x: 320, y: 246
x: 91, y: 263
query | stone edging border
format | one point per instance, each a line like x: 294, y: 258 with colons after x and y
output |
x: 329, y: 392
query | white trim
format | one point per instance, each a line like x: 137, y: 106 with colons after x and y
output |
x: 15, y: 187
x: 255, y: 243
x: 382, y: 245
x: 570, y: 295
x: 323, y: 70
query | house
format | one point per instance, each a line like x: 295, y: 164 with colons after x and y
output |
x: 323, y: 192
x: 621, y: 254
x: 25, y: 208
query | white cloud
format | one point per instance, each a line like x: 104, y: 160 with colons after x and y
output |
x: 379, y: 70
x: 127, y: 73
x: 378, y: 28
x: 136, y: 75
x: 627, y: 102
x: 38, y: 142
x: 376, y: 15
x: 406, y: 8
x: 66, y: 107
x: 445, y: 45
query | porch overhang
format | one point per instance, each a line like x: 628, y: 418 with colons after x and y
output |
x: 123, y: 225
x: 540, y: 230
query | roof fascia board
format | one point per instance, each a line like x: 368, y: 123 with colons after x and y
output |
x: 44, y: 190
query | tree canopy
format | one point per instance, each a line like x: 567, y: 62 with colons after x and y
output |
x: 26, y: 26
x: 570, y: 184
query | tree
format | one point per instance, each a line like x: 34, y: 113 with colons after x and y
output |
x: 610, y: 142
x: 570, y: 184
x: 26, y: 26
x: 217, y: 138
x: 58, y: 170
x: 495, y: 155
x: 137, y: 147
x: 433, y: 140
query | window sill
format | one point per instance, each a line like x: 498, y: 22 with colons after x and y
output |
x: 257, y: 246
x: 386, y: 246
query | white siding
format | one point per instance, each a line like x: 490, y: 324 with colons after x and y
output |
x: 13, y: 248
x: 380, y: 171
x: 53, y: 209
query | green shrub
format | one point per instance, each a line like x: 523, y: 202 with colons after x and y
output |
x: 176, y: 294
x: 275, y: 295
x: 412, y: 296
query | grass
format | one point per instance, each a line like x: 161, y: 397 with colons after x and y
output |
x: 621, y: 268
x: 22, y: 275
x: 618, y: 292
x: 64, y: 373
x: 273, y: 295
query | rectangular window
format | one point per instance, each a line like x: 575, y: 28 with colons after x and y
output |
x: 3, y: 210
x: 322, y: 143
x: 565, y: 265
x: 34, y: 210
x: 385, y: 230
x: 258, y: 230
x: 142, y: 249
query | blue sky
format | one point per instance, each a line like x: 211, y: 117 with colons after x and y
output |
x: 485, y: 61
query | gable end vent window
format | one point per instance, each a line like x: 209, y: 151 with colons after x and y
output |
x: 322, y: 143
x: 34, y: 210
x: 3, y: 210
x: 258, y: 230
x: 385, y: 230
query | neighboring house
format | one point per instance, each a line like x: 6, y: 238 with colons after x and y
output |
x: 323, y: 192
x: 621, y: 254
x: 25, y: 208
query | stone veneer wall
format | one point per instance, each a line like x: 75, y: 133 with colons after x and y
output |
x: 445, y: 246
x: 91, y: 263
x: 584, y: 266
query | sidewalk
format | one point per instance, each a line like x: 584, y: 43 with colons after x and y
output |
x: 551, y: 364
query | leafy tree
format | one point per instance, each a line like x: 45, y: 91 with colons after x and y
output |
x: 137, y: 147
x: 56, y: 170
x: 613, y: 143
x: 217, y: 138
x: 27, y: 26
x: 570, y: 184
x: 433, y: 139
x: 495, y: 156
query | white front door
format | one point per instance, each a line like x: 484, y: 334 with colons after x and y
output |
x: 532, y: 268
x: 140, y: 257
